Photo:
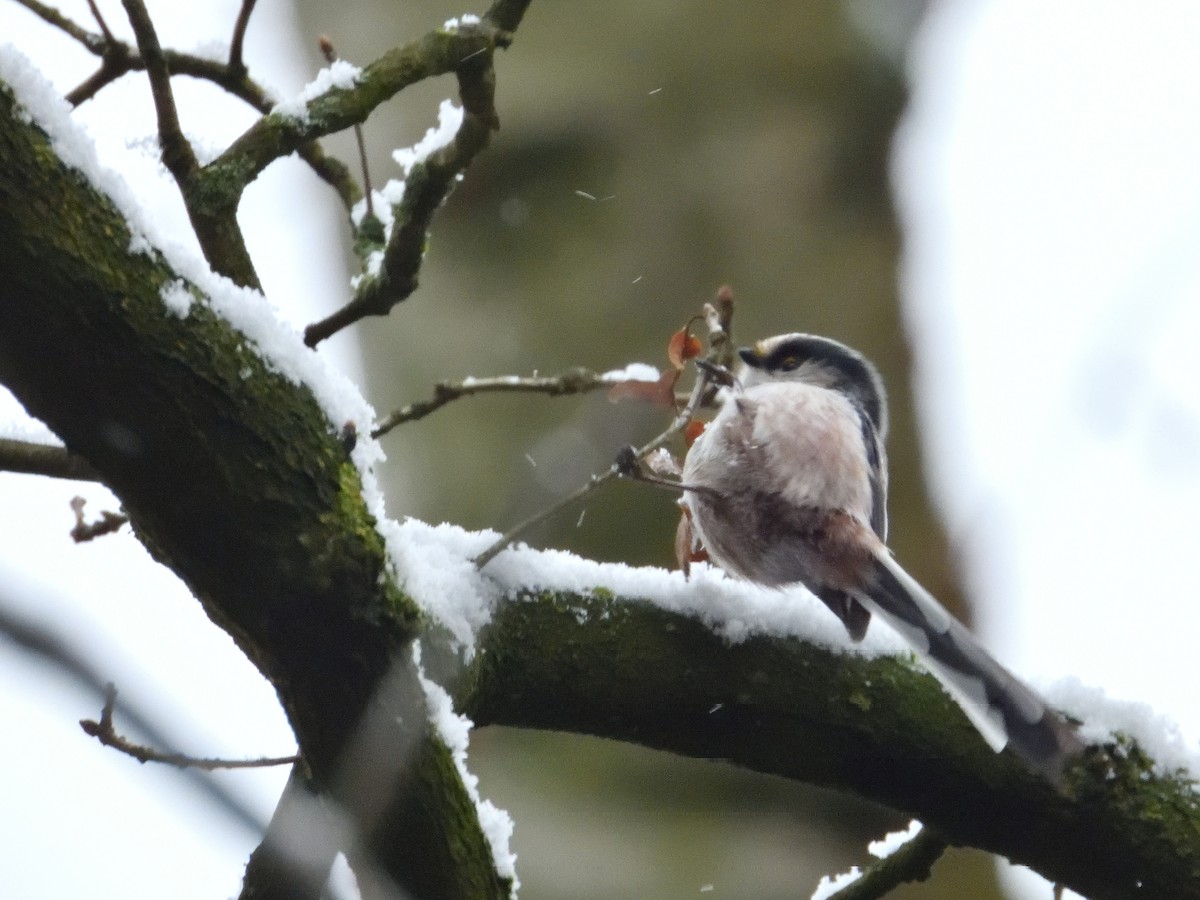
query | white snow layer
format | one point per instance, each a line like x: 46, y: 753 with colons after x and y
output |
x: 338, y: 75
x: 465, y: 19
x: 450, y: 118
x: 455, y: 732
x: 279, y: 345
x: 633, y: 372
x: 894, y: 840
x: 828, y: 886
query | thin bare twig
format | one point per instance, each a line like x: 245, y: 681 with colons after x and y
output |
x: 118, y: 58
x: 44, y: 459
x: 177, y: 153
x: 93, y: 42
x: 912, y: 862
x: 104, y: 30
x: 105, y: 733
x: 236, y: 63
x: 615, y: 470
x: 678, y: 424
x: 719, y: 318
x: 49, y: 646
x: 330, y: 54
x: 573, y: 381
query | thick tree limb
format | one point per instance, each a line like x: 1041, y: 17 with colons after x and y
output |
x: 878, y: 728
x: 233, y: 477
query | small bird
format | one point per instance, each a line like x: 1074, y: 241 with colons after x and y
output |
x: 788, y: 485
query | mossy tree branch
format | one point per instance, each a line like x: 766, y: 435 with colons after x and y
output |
x: 879, y: 728
x: 240, y: 485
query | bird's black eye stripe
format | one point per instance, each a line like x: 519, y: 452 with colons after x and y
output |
x: 787, y: 357
x: 851, y: 369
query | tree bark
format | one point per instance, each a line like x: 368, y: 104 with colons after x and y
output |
x: 881, y: 728
x: 234, y: 478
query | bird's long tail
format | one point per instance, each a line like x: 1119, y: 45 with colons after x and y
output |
x: 1000, y: 706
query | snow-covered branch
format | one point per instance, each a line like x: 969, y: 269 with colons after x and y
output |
x: 627, y: 669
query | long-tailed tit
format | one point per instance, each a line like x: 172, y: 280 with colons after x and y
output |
x: 788, y: 484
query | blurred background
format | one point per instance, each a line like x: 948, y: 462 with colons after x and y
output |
x: 995, y: 200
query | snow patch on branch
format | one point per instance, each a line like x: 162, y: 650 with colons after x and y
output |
x: 454, y: 24
x: 455, y: 731
x: 450, y: 119
x: 176, y: 297
x: 339, y: 75
x: 894, y: 840
x: 828, y: 887
x: 1105, y: 717
x: 633, y: 372
x: 435, y: 564
x: 278, y: 344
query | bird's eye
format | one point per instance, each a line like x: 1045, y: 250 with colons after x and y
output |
x: 789, y: 363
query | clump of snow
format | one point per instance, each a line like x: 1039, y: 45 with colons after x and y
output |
x: 633, y: 372
x: 455, y: 732
x: 827, y: 886
x: 338, y: 75
x: 213, y: 49
x: 391, y: 195
x: 434, y: 565
x: 176, y: 297
x: 450, y: 119
x: 140, y: 246
x: 373, y: 268
x: 381, y: 206
x: 465, y: 19
x: 894, y: 840
x: 1104, y: 717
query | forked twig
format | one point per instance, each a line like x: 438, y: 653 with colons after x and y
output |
x: 105, y: 733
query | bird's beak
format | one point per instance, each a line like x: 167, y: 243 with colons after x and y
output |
x: 751, y: 357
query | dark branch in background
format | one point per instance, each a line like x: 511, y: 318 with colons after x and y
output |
x: 426, y: 187
x: 573, y: 381
x: 49, y: 14
x: 106, y: 733
x: 212, y: 193
x: 177, y: 153
x: 40, y: 641
x: 43, y: 459
x: 236, y: 62
x: 100, y: 23
x: 214, y: 219
x: 912, y: 862
x: 118, y: 58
